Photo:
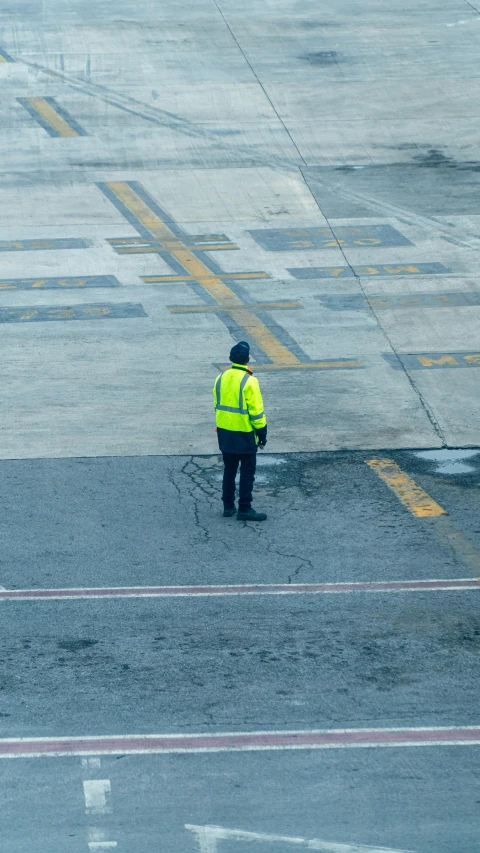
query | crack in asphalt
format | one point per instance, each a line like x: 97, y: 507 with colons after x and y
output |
x: 190, y: 470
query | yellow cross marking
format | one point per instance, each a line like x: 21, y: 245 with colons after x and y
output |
x: 50, y: 115
x: 149, y: 279
x: 132, y: 250
x: 309, y: 365
x: 200, y: 309
x: 225, y: 298
x: 407, y: 491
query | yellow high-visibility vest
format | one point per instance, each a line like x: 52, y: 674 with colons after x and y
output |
x: 238, y: 405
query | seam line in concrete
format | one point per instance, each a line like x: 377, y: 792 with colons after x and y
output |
x: 261, y: 84
x: 429, y: 413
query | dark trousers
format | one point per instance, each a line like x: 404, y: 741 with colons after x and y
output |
x: 248, y: 463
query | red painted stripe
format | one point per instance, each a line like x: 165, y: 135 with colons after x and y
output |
x: 246, y: 589
x: 249, y: 741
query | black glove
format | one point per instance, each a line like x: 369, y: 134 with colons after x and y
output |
x: 262, y: 437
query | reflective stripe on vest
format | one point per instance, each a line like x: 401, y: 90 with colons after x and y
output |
x: 236, y: 411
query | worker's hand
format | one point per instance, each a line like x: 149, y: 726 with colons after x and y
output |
x: 262, y: 438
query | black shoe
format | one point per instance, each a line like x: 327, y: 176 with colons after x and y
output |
x: 228, y: 511
x: 251, y: 515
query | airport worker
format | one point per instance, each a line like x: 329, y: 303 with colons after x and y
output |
x: 241, y: 430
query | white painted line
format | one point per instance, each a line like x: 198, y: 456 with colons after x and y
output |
x: 237, y: 742
x: 97, y: 796
x: 448, y: 584
x: 208, y: 836
x: 92, y: 763
x: 97, y: 840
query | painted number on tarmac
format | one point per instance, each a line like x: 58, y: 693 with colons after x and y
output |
x: 433, y: 360
x: 348, y: 236
x: 42, y: 245
x: 382, y: 271
x: 43, y: 313
x: 58, y: 283
x: 357, y: 302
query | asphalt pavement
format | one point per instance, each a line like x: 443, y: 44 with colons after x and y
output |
x: 290, y: 662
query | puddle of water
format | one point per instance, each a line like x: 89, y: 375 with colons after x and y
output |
x: 449, y: 461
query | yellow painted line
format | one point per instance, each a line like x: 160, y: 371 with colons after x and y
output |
x: 56, y: 122
x: 303, y: 365
x: 152, y: 249
x: 407, y: 491
x: 138, y: 250
x: 240, y: 275
x: 2, y: 58
x: 214, y: 247
x: 200, y: 309
x: 210, y: 282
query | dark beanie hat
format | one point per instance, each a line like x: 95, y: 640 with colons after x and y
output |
x: 240, y: 352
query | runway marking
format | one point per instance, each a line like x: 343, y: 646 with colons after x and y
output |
x: 271, y: 346
x: 234, y: 276
x: 205, y: 242
x: 256, y: 306
x: 52, y: 117
x: 351, y: 236
x: 43, y: 245
x: 433, y: 360
x: 380, y: 270
x: 59, y: 283
x: 5, y: 57
x: 335, y: 364
x: 97, y: 796
x: 239, y: 741
x: 208, y: 836
x: 91, y: 763
x: 358, y: 302
x: 44, y: 313
x: 97, y: 839
x: 70, y: 594
x: 407, y: 491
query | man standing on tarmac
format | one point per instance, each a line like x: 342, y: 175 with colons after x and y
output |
x: 241, y: 429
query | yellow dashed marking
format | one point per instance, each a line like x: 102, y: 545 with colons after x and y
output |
x: 407, y: 491
x: 51, y: 117
x: 202, y: 309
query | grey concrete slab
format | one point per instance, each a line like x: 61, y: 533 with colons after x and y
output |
x: 210, y: 112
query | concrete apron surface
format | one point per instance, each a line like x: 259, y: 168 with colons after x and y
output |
x: 175, y: 178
